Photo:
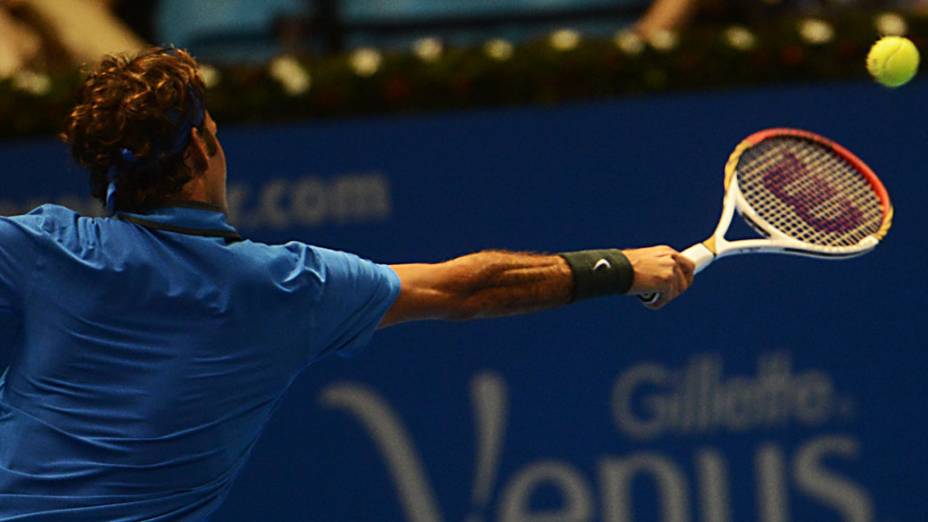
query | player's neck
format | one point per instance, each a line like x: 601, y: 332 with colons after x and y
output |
x: 199, y: 190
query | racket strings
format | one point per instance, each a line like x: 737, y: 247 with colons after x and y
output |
x: 809, y: 192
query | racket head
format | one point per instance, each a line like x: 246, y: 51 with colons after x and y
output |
x: 808, y: 194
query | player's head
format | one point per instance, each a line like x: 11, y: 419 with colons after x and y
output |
x: 141, y: 127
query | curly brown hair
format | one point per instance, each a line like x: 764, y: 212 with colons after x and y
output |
x: 134, y: 103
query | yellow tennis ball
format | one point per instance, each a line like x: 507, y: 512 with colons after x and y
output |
x: 893, y: 61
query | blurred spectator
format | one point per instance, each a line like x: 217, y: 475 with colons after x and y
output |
x: 86, y: 29
x: 666, y: 15
x: 19, y: 44
x: 50, y: 34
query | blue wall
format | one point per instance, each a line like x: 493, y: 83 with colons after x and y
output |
x: 778, y: 389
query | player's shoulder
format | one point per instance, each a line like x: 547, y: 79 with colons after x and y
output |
x: 295, y: 257
x: 281, y: 255
x: 44, y: 219
x: 297, y: 265
x: 312, y: 256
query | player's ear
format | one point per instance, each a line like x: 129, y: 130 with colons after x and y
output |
x: 197, y: 155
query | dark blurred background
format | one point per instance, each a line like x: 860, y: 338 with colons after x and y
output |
x: 53, y: 33
x: 279, y: 60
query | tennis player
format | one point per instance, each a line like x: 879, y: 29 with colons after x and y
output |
x: 150, y: 347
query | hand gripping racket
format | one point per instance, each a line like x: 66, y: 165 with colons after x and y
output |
x: 805, y: 194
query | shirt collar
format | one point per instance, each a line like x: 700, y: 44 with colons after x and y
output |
x: 189, y: 217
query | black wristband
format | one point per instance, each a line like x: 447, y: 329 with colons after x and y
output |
x: 599, y: 272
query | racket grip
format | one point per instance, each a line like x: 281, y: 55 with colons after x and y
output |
x: 701, y: 258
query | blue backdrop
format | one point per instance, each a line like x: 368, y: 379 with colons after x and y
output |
x: 778, y: 389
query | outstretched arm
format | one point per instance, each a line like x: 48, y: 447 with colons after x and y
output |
x: 496, y: 283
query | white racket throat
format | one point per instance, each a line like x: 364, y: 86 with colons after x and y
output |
x: 700, y: 256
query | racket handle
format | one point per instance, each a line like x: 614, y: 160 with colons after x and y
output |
x: 698, y: 254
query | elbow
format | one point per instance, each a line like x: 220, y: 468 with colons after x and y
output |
x: 461, y: 294
x: 455, y: 290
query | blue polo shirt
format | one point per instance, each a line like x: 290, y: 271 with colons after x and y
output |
x: 147, y: 355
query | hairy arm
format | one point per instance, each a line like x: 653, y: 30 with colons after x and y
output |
x: 498, y: 283
x: 485, y: 284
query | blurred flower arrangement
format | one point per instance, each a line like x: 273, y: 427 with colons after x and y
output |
x: 564, y: 66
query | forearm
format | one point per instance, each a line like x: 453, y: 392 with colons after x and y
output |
x: 485, y: 284
x: 496, y: 283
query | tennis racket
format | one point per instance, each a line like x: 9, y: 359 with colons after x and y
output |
x: 805, y: 194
